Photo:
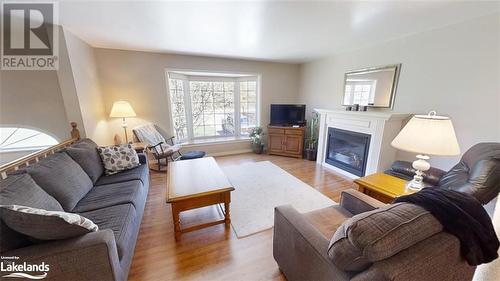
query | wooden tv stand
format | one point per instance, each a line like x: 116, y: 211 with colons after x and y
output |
x: 286, y: 141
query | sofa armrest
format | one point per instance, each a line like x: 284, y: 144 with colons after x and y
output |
x: 435, y: 258
x: 92, y: 256
x: 300, y: 250
x: 405, y: 170
x: 356, y: 202
x: 143, y: 158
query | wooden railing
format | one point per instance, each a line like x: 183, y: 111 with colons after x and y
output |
x: 34, y: 157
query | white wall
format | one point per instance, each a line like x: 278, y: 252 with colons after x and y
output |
x: 67, y: 86
x: 33, y: 99
x: 87, y: 86
x: 139, y: 77
x: 50, y: 100
x: 454, y: 70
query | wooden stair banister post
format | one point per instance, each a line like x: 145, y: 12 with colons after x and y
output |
x: 75, y: 133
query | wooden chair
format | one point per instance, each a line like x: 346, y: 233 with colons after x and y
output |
x: 161, y: 147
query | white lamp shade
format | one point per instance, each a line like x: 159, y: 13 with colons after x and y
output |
x: 428, y: 134
x: 122, y: 109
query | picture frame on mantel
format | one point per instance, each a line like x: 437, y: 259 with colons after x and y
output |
x: 372, y: 87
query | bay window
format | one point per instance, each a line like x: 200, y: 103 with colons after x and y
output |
x: 212, y: 106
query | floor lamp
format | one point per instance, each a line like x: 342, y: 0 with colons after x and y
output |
x: 122, y: 109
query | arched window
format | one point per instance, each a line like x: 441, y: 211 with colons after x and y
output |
x: 22, y: 139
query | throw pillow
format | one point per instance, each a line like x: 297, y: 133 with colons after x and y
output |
x: 85, y: 154
x: 61, y: 177
x: 21, y: 189
x: 45, y: 225
x: 117, y: 158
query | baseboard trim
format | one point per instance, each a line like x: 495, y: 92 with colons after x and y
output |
x: 232, y: 152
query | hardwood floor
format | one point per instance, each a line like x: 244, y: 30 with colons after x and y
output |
x: 215, y: 253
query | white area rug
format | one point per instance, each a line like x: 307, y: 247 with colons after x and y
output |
x: 261, y: 186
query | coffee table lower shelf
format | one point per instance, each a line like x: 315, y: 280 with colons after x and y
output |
x: 196, y: 202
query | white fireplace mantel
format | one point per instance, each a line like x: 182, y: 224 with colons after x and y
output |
x: 381, y: 126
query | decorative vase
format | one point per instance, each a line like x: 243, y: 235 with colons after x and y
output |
x: 257, y: 148
x: 311, y: 154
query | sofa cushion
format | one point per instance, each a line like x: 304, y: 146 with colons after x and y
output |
x: 477, y: 173
x: 102, y: 196
x: 61, y: 177
x: 483, y: 180
x: 379, y: 234
x: 21, y: 189
x: 10, y: 239
x: 138, y: 173
x: 45, y: 225
x: 122, y: 220
x: 456, y: 176
x: 85, y: 154
x: 117, y: 158
x: 193, y: 155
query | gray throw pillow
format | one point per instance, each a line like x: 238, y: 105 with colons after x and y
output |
x: 21, y: 189
x: 45, y: 225
x: 117, y: 158
x: 85, y: 154
x: 62, y: 178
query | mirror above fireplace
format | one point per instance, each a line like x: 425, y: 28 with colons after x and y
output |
x: 372, y: 87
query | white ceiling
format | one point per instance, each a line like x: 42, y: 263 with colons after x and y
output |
x: 263, y: 30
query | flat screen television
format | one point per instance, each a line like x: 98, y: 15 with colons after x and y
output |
x: 288, y: 114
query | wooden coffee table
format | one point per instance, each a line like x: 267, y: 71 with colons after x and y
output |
x: 197, y: 183
x: 383, y: 187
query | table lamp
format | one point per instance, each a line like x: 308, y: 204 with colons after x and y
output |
x: 122, y: 109
x: 426, y: 135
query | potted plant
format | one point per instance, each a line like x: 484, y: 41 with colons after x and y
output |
x: 312, y: 137
x: 256, y: 137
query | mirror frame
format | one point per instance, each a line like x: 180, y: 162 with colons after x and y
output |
x: 371, y: 69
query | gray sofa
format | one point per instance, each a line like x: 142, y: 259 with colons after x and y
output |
x: 363, y: 239
x: 115, y: 203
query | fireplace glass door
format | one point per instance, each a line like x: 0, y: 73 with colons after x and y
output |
x: 348, y: 150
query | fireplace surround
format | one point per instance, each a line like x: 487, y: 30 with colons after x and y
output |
x: 375, y: 131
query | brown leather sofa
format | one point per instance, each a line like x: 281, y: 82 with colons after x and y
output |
x: 381, y: 242
x: 477, y: 173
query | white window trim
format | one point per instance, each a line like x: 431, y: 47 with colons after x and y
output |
x: 172, y: 73
x: 29, y: 148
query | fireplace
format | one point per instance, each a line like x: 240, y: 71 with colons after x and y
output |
x: 347, y: 150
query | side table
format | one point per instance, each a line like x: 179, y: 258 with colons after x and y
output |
x: 382, y: 187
